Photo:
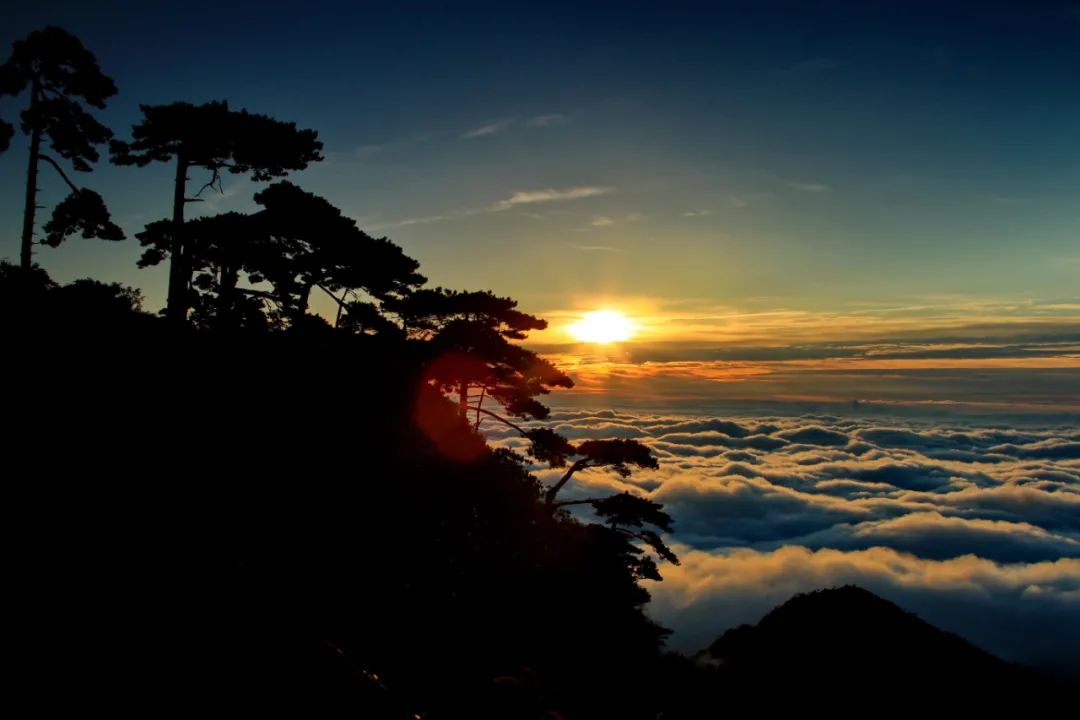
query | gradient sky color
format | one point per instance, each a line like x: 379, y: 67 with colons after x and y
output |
x: 738, y: 174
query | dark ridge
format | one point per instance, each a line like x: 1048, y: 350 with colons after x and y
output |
x: 849, y: 643
x: 813, y: 633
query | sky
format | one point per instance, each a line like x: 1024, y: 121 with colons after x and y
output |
x: 754, y: 175
x: 849, y: 229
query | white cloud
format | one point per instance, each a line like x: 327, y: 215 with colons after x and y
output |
x: 516, y: 200
x: 547, y: 120
x: 974, y: 526
x: 602, y: 221
x: 984, y: 546
x: 490, y: 128
x: 1026, y: 612
x: 546, y: 195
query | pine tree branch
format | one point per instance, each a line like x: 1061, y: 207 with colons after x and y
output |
x: 500, y: 418
x: 483, y: 392
x: 564, y: 503
x: 215, y: 180
x: 549, y: 497
x: 73, y: 186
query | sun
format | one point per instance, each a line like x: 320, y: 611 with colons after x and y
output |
x: 602, y: 326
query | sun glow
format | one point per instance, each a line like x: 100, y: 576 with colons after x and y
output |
x: 602, y: 326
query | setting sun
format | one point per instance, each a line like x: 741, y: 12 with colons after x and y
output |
x: 602, y: 326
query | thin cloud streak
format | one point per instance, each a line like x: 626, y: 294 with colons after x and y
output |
x: 530, y: 197
x: 490, y: 128
x: 516, y: 200
x: 547, y: 120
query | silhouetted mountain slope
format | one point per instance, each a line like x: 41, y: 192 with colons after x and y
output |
x: 816, y: 633
x: 848, y: 643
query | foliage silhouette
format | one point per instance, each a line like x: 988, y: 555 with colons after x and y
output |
x: 215, y: 138
x: 260, y: 511
x: 7, y: 131
x: 312, y: 615
x: 314, y: 538
x: 83, y: 211
x: 310, y: 244
x: 297, y: 243
x: 60, y: 75
x: 618, y: 454
x: 470, y: 333
x: 474, y: 330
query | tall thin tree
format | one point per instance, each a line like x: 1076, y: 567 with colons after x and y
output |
x: 60, y: 75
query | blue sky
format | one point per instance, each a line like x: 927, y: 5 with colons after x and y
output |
x: 732, y: 175
x: 810, y: 152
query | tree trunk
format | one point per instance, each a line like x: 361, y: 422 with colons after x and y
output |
x: 303, y: 299
x: 226, y: 308
x: 176, y: 308
x: 463, y: 399
x: 26, y: 250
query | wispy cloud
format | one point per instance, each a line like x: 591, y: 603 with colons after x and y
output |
x: 698, y: 213
x: 518, y: 199
x: 546, y: 195
x: 422, y: 220
x: 603, y: 221
x: 496, y: 126
x: 490, y: 128
x: 547, y: 120
x: 814, y: 187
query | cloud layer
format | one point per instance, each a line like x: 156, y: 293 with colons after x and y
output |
x: 954, y: 521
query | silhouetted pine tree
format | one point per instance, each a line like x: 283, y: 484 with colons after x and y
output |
x: 472, y: 332
x: 306, y: 243
x: 468, y: 336
x: 213, y: 137
x: 60, y: 75
x: 298, y: 243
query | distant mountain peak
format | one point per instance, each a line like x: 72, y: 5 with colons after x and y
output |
x: 847, y: 652
x: 852, y: 634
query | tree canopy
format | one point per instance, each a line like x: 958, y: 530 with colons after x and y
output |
x: 61, y: 76
x: 216, y: 138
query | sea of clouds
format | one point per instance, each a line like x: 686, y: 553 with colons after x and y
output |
x: 974, y: 525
